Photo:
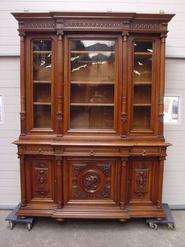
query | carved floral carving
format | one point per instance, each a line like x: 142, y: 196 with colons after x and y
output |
x: 41, y: 180
x: 142, y: 177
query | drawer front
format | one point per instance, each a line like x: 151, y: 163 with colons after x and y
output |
x: 145, y: 151
x: 90, y: 181
x: 91, y: 151
x: 38, y: 149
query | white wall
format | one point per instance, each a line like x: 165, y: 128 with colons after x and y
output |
x: 174, y: 181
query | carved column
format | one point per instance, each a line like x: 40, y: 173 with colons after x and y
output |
x: 22, y: 79
x: 59, y: 175
x: 123, y: 182
x: 60, y: 77
x: 23, y: 180
x: 162, y: 80
x: 124, y: 85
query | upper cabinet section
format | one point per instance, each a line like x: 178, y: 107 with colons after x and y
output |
x: 92, y: 74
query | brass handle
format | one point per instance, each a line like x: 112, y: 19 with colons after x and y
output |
x: 144, y: 151
x: 40, y: 150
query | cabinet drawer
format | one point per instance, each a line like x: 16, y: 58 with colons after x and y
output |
x: 145, y: 151
x: 91, y: 151
x: 38, y: 149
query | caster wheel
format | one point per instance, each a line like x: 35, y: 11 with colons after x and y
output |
x: 29, y: 226
x: 11, y: 225
x: 171, y: 226
x: 153, y: 226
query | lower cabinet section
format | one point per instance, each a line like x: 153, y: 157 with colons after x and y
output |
x: 97, y: 187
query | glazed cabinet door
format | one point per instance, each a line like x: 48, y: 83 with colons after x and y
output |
x: 40, y: 86
x: 144, y: 55
x: 91, y: 84
x: 91, y: 181
x: 40, y: 180
x: 143, y: 181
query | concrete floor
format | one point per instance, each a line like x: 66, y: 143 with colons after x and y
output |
x: 92, y: 233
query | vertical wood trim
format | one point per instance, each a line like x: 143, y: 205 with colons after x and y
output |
x: 123, y: 182
x: 22, y: 80
x: 161, y: 89
x: 124, y: 117
x: 23, y: 180
x: 160, y: 182
x: 59, y: 182
x: 60, y: 83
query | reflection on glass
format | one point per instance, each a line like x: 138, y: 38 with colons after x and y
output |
x: 92, y: 45
x: 92, y: 66
x: 42, y: 66
x: 143, y: 68
x: 143, y: 47
x: 92, y: 84
x: 171, y: 109
x: 92, y: 117
x: 41, y: 45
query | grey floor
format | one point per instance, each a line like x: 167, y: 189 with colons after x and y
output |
x: 95, y: 233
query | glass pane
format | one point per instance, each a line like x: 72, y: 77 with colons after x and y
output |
x: 41, y: 45
x: 42, y: 116
x: 143, y: 68
x: 42, y: 93
x: 92, y: 117
x: 92, y: 84
x: 92, y: 66
x: 92, y: 93
x: 141, y: 117
x: 142, y: 94
x: 143, y: 47
x: 42, y: 66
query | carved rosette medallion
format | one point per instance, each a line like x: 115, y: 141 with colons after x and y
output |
x: 91, y: 181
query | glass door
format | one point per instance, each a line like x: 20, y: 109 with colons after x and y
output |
x: 92, y: 84
x: 142, y: 85
x: 42, y: 82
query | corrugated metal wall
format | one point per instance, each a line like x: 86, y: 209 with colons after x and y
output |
x: 174, y: 181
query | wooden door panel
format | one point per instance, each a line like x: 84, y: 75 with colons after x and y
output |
x: 91, y: 181
x: 40, y: 180
x: 142, y: 180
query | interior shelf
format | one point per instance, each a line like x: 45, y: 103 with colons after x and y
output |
x: 90, y: 104
x: 44, y: 82
x: 42, y: 52
x: 93, y: 82
x: 41, y: 103
x: 142, y: 83
x: 142, y: 105
x: 76, y: 51
x: 140, y: 53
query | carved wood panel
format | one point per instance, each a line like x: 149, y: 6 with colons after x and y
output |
x: 41, y: 179
x: 91, y: 180
x: 141, y: 179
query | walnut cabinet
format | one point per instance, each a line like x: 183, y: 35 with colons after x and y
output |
x: 92, y: 87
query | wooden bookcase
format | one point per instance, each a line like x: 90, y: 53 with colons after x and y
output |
x: 92, y: 87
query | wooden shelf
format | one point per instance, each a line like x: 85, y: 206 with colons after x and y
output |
x: 139, y: 53
x: 91, y: 104
x: 142, y: 105
x: 93, y: 82
x: 42, y: 103
x: 92, y: 51
x: 142, y: 83
x: 42, y: 52
x: 42, y: 82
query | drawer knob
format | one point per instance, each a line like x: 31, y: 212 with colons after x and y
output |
x: 144, y: 151
x: 40, y: 150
